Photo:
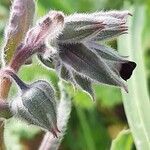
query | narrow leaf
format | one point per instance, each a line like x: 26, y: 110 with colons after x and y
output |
x: 85, y: 84
x: 136, y: 103
x: 66, y: 74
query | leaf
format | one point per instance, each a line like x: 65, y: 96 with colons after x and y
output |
x: 146, y: 31
x: 85, y: 84
x: 87, y: 133
x: 66, y: 74
x: 136, y: 103
x: 123, y: 141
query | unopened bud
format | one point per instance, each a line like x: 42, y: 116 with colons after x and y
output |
x: 49, y: 27
x: 36, y: 105
x: 21, y: 18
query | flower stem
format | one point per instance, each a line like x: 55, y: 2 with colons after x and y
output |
x: 23, y: 86
x: 22, y: 54
x: 4, y: 89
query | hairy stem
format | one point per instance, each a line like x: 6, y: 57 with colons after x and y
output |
x: 2, y: 145
x: 23, y: 86
x: 4, y: 109
x: 4, y: 89
x: 15, y: 32
x: 22, y: 54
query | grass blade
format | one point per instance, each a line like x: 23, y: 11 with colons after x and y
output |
x: 136, y: 102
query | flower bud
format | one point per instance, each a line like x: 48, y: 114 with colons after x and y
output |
x: 37, y: 37
x: 49, y: 27
x: 20, y: 20
x: 36, y: 105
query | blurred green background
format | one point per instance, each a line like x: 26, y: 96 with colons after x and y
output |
x: 92, y: 126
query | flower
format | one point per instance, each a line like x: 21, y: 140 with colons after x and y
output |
x: 82, y: 58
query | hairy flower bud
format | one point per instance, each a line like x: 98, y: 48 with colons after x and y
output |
x: 49, y: 27
x: 95, y: 26
x: 37, y: 37
x: 36, y: 105
x: 21, y: 18
x: 116, y: 14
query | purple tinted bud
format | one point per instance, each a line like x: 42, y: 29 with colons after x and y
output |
x: 49, y: 27
x: 21, y: 18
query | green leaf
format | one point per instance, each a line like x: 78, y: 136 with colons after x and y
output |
x: 136, y: 102
x: 146, y: 31
x: 86, y: 130
x: 123, y: 141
